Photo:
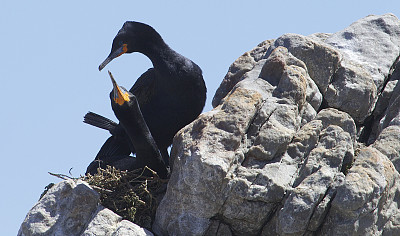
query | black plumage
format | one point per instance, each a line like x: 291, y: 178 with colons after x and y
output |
x: 170, y: 95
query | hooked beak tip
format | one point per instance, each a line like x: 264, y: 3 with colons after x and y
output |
x: 105, y: 62
x: 112, y: 56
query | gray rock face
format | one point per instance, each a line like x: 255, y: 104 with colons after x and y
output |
x: 350, y: 67
x: 388, y: 143
x: 280, y: 153
x: 238, y: 68
x: 369, y: 47
x: 391, y: 94
x: 366, y: 203
x: 373, y: 42
x: 321, y: 59
x: 72, y: 208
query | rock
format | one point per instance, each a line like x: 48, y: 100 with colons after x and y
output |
x: 218, y: 229
x: 319, y: 36
x: 388, y: 143
x: 385, y: 109
x: 332, y: 74
x: 280, y: 153
x: 72, y: 208
x: 391, y: 114
x: 200, y: 170
x: 106, y: 222
x: 385, y: 96
x: 321, y: 147
x: 367, y: 203
x: 373, y: 42
x: 353, y: 91
x: 342, y: 119
x: 347, y: 67
x: 238, y: 68
x: 252, y: 173
x: 64, y: 210
x: 321, y: 59
x: 253, y: 125
x: 366, y: 64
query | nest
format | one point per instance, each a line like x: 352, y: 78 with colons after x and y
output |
x: 134, y: 195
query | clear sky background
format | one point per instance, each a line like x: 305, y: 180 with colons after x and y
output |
x: 50, y: 52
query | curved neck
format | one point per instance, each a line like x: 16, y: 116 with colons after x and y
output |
x: 162, y: 56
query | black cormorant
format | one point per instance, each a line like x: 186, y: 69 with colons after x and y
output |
x: 170, y: 95
x: 126, y: 109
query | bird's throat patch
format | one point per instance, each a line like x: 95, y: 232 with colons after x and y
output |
x: 124, y: 49
x: 121, y: 98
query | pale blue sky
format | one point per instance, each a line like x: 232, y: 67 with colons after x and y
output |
x: 50, y: 52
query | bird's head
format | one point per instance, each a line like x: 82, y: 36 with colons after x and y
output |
x: 119, y: 95
x: 132, y: 37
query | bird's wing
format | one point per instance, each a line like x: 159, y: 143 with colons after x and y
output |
x: 114, y: 146
x: 120, y: 162
x: 99, y: 121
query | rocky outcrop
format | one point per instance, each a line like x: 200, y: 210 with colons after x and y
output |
x: 302, y: 141
x: 72, y: 208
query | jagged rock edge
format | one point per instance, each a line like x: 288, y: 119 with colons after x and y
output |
x: 370, y: 120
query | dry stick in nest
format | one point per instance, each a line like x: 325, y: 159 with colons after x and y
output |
x: 129, y: 194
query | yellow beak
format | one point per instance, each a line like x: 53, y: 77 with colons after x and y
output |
x: 120, y: 97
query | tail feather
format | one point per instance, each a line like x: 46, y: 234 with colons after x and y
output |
x: 99, y: 121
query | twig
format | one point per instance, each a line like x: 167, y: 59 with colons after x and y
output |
x: 61, y: 176
x: 101, y: 189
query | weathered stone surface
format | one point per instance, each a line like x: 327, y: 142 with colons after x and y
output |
x: 342, y: 119
x: 391, y: 114
x: 386, y: 108
x: 253, y: 126
x: 218, y: 229
x: 353, y: 90
x: 349, y: 67
x: 370, y: 47
x: 373, y: 42
x: 103, y: 222
x: 320, y: 36
x: 72, y: 208
x: 321, y: 169
x: 242, y: 187
x: 238, y: 68
x: 367, y: 202
x: 388, y: 143
x: 64, y: 210
x: 200, y: 171
x: 321, y: 59
x: 385, y: 96
x: 271, y: 160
